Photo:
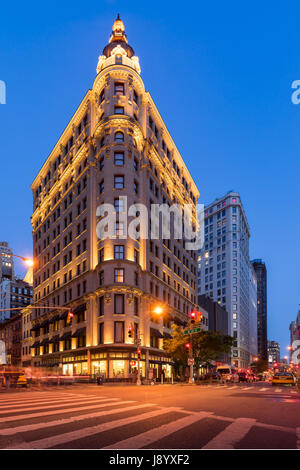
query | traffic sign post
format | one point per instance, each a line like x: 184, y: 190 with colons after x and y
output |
x: 193, y: 330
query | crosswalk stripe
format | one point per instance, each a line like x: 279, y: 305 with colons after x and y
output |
x: 107, y: 401
x: 277, y: 390
x: 153, y: 435
x: 73, y: 419
x: 231, y: 435
x: 263, y: 389
x: 40, y: 402
x: 41, y: 405
x: 64, y: 438
x: 10, y: 399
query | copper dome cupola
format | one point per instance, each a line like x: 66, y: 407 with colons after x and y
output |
x: 118, y: 38
x: 118, y: 51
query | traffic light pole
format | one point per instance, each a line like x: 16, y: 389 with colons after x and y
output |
x: 138, y: 343
x: 191, y: 378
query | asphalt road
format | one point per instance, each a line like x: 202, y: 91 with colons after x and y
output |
x: 234, y: 416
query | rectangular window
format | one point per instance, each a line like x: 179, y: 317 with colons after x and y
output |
x: 101, y: 164
x: 101, y: 255
x: 119, y: 331
x: 101, y: 278
x: 101, y: 187
x: 101, y: 305
x: 119, y: 110
x: 119, y: 304
x: 119, y: 229
x: 119, y: 88
x: 136, y: 164
x: 136, y: 306
x: 119, y: 251
x: 119, y: 205
x: 136, y: 187
x: 119, y: 158
x: 119, y: 275
x: 119, y: 182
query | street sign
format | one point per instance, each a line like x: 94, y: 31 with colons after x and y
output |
x: 190, y: 332
x: 191, y: 361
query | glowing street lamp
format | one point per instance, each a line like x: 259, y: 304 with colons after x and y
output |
x: 27, y: 261
x: 158, y: 310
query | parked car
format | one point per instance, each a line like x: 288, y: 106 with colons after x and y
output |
x: 216, y: 377
x: 243, y: 377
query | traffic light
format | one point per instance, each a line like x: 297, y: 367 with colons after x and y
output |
x: 139, y: 353
x: 130, y: 331
x: 193, y: 317
x: 70, y: 317
x: 188, y: 346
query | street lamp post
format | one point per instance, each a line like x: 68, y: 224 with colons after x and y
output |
x: 27, y: 261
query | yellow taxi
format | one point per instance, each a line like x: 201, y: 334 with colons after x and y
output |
x: 12, y: 378
x: 283, y: 378
x: 21, y: 381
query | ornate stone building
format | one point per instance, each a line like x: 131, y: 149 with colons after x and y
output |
x: 115, y: 145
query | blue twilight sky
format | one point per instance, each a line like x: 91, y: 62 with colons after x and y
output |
x: 219, y: 72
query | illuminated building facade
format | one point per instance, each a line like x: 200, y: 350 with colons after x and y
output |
x: 226, y: 274
x: 115, y: 145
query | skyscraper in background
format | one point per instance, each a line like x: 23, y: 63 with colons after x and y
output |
x: 273, y: 352
x: 262, y: 336
x: 14, y: 292
x: 226, y: 273
x: 6, y: 262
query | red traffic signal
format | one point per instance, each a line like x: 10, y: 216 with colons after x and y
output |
x: 130, y: 331
x: 193, y: 317
x: 70, y: 316
x: 188, y: 346
x: 139, y: 353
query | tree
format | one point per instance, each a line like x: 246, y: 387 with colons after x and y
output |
x: 207, y: 347
x: 259, y: 366
x: 176, y: 348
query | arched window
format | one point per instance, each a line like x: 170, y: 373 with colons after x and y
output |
x: 119, y: 137
x: 118, y: 59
